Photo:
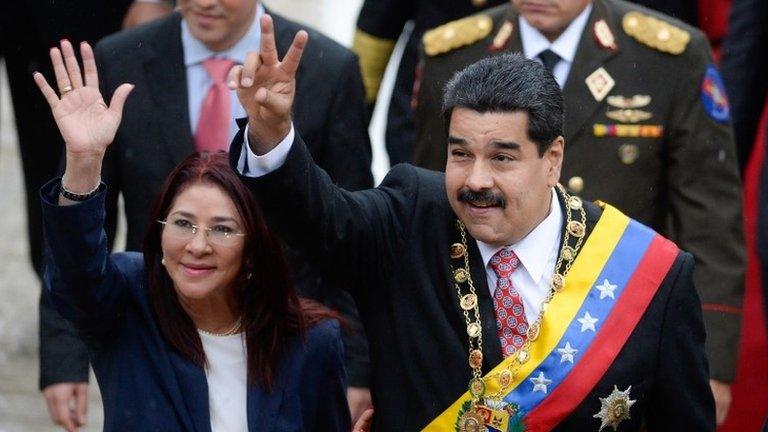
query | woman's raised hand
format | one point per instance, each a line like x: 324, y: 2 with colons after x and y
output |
x: 85, y: 121
x: 266, y: 87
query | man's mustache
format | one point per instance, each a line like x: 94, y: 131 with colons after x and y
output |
x: 484, y: 197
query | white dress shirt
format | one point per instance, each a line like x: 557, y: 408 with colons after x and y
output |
x: 532, y: 279
x: 565, y: 45
x: 538, y: 255
x: 198, y: 80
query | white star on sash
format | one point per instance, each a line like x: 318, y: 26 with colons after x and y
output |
x: 587, y: 322
x: 566, y: 353
x: 540, y: 383
x: 606, y: 289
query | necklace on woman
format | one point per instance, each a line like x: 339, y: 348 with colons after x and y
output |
x: 232, y: 330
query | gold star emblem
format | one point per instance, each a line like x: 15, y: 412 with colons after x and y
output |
x: 615, y: 408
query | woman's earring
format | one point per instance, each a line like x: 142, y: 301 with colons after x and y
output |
x: 249, y: 276
x: 162, y: 260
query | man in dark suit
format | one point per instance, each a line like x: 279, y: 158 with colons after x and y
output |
x: 166, y: 60
x: 647, y: 127
x: 27, y: 31
x: 490, y: 279
x: 379, y: 25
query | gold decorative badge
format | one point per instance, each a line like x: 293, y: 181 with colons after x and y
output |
x: 457, y: 34
x: 600, y: 83
x: 636, y: 101
x: 615, y: 408
x: 628, y: 115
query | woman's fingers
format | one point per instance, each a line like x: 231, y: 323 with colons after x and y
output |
x: 89, y: 65
x: 60, y: 71
x: 70, y: 62
x: 48, y: 93
x: 119, y: 97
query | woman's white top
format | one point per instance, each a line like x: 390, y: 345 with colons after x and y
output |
x: 227, y: 377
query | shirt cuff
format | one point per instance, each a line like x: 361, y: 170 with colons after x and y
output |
x: 253, y: 165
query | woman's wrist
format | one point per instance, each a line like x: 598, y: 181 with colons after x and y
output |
x: 82, y: 173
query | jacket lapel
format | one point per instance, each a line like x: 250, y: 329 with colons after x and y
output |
x: 167, y: 79
x: 194, y: 389
x: 580, y: 105
x: 263, y: 407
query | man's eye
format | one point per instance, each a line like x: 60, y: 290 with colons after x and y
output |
x: 459, y: 153
x: 503, y: 158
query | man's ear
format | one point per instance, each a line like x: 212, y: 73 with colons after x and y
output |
x: 554, y: 156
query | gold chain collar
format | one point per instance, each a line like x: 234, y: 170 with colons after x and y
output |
x: 573, y: 238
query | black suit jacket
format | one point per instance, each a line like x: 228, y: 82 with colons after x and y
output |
x: 155, y: 133
x: 392, y: 244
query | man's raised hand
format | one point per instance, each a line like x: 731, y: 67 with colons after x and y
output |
x: 266, y: 87
x: 85, y: 121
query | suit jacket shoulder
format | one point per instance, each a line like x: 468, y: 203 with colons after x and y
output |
x: 138, y: 39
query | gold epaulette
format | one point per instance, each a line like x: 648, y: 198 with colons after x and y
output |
x: 656, y: 33
x: 457, y: 34
x: 373, y: 53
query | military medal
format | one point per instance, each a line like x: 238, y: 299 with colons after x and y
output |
x: 600, y: 83
x: 615, y: 408
x: 628, y: 153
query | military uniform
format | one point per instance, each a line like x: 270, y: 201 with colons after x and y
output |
x: 647, y: 130
x: 379, y: 25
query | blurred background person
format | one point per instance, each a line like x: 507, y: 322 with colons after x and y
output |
x: 379, y: 26
x: 745, y: 73
x: 27, y: 30
x: 660, y: 149
x: 204, y: 329
x: 181, y: 104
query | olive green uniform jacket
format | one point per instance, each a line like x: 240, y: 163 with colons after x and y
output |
x: 684, y: 183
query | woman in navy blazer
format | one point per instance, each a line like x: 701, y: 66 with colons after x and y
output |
x: 203, y: 330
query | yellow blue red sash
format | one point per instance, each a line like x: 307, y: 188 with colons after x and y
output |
x: 607, y: 290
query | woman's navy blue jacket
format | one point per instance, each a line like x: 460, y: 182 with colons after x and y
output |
x: 146, y: 385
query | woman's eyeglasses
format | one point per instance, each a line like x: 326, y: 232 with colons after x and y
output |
x: 182, y: 229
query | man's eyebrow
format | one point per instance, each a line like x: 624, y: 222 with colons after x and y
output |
x: 456, y: 140
x: 506, y: 145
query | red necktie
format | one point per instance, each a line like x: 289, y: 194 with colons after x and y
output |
x: 510, y: 312
x: 216, y: 112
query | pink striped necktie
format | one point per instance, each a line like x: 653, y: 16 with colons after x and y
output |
x: 212, y: 132
x: 511, y: 323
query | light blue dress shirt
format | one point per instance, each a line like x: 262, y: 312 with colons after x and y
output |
x: 198, y: 80
x: 565, y: 45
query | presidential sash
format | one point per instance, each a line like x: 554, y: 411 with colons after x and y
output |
x: 607, y: 290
